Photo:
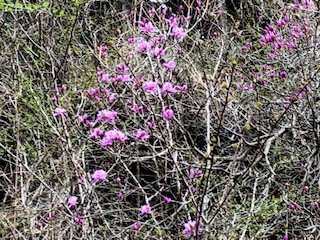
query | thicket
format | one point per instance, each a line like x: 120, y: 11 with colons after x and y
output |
x: 149, y: 120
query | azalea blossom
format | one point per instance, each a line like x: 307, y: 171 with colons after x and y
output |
x: 141, y: 134
x: 106, y: 116
x: 179, y: 33
x: 283, y: 74
x: 136, y: 227
x: 96, y: 133
x: 72, y: 201
x: 182, y: 88
x: 93, y: 91
x: 100, y: 72
x: 168, y: 88
x: 122, y: 67
x: 105, y: 78
x: 195, y: 173
x: 173, y: 21
x: 190, y: 229
x: 112, y: 135
x: 249, y: 87
x: 59, y: 111
x: 167, y: 199
x: 118, y: 180
x: 144, y: 46
x: 99, y: 176
x: 158, y: 51
x: 169, y: 65
x: 151, y: 125
x: 150, y: 86
x: 39, y: 224
x: 123, y: 78
x: 79, y: 219
x: 136, y: 108
x: 167, y: 114
x: 112, y: 97
x: 83, y: 118
x: 147, y: 28
x: 145, y: 210
x: 120, y: 196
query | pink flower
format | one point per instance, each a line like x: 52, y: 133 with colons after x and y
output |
x: 107, y: 116
x: 112, y: 97
x: 164, y: 10
x: 54, y: 99
x: 89, y: 123
x: 118, y: 180
x: 123, y: 78
x: 145, y: 210
x: 144, y: 46
x: 307, y: 3
x: 249, y: 87
x: 122, y: 67
x: 103, y: 52
x: 106, y: 91
x: 195, y: 173
x: 179, y: 33
x: 106, y: 141
x: 272, y: 56
x: 39, y: 224
x: 151, y: 125
x: 120, y: 196
x: 96, y: 133
x: 136, y: 108
x: 189, y: 229
x: 293, y: 207
x: 152, y: 11
x: 82, y: 180
x: 298, y: 95
x: 105, y: 78
x: 99, y: 176
x: 141, y: 134
x: 100, y: 72
x: 79, y: 220
x: 50, y: 216
x: 283, y: 74
x: 169, y: 65
x: 167, y: 199
x: 59, y: 111
x: 147, y: 28
x: 157, y: 51
x: 182, y: 88
x: 173, y: 20
x: 272, y: 74
x: 131, y: 40
x: 72, y: 201
x: 83, y: 118
x: 136, y: 227
x: 167, y: 114
x: 112, y: 135
x: 93, y: 91
x: 219, y: 11
x: 150, y: 86
x: 168, y: 88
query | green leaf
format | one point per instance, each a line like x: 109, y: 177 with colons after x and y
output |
x: 30, y: 8
x: 61, y: 13
x: 45, y: 5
